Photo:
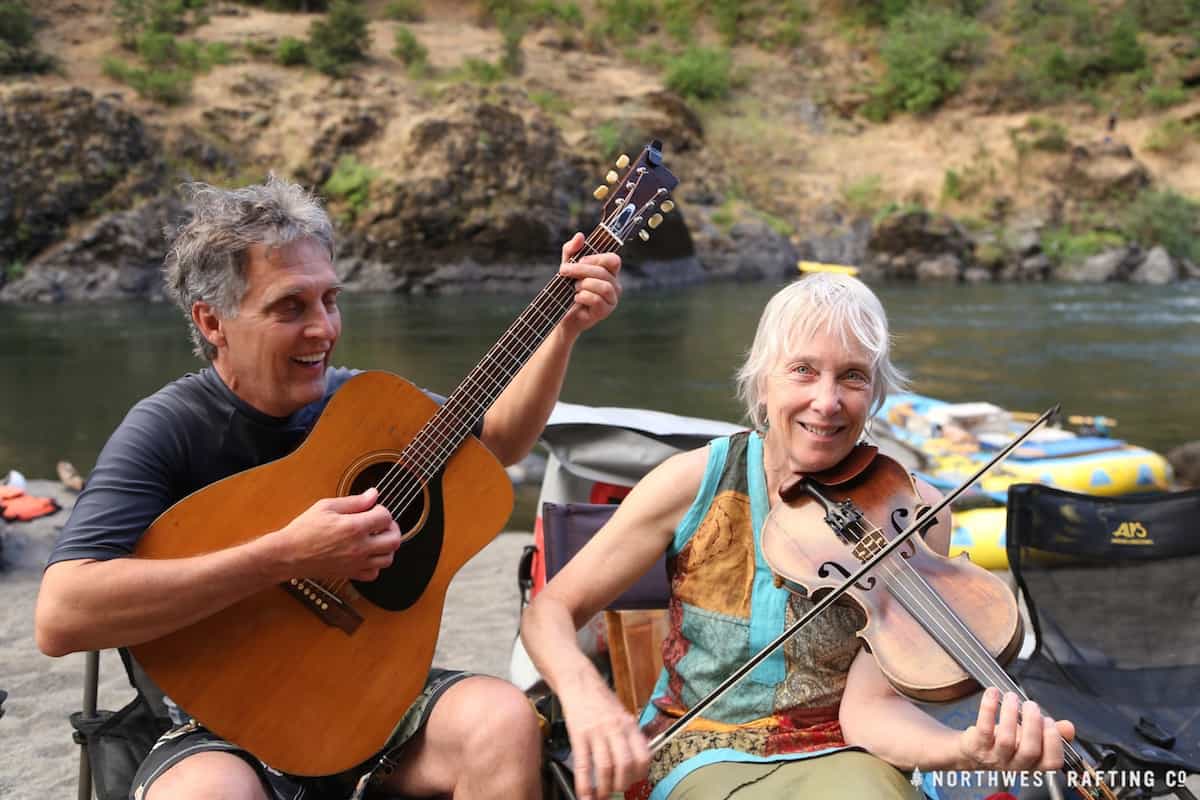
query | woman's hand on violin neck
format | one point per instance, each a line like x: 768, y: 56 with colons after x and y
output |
x: 1022, y: 738
x: 610, y: 752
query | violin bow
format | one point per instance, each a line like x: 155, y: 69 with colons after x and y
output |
x: 660, y: 741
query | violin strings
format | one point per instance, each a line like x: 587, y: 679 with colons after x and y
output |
x: 968, y: 647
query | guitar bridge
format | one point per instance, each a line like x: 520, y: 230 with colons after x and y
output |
x: 328, y: 607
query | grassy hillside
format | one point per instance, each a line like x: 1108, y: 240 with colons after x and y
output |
x: 807, y: 113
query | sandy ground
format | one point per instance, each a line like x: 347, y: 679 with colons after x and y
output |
x: 39, y: 761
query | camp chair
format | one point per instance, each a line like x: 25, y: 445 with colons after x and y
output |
x: 1114, y: 601
x: 113, y: 743
x: 636, y: 624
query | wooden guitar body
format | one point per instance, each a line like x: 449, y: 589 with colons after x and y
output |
x: 308, y: 691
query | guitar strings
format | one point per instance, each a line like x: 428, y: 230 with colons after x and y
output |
x: 563, y: 286
x: 559, y: 291
x: 557, y: 286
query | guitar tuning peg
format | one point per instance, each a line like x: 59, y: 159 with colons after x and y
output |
x: 601, y: 192
x: 612, y: 176
x: 622, y: 161
x: 667, y: 206
x: 644, y: 235
x: 655, y: 221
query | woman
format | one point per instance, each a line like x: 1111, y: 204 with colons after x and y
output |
x: 818, y: 368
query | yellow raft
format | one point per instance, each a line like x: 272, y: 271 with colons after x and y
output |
x: 979, y: 532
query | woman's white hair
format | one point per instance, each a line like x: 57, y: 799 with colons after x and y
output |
x: 820, y: 302
x: 207, y: 256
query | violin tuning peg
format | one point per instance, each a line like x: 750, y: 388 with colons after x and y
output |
x: 622, y: 161
x: 612, y: 176
x: 667, y: 206
x: 601, y: 192
x: 644, y: 235
x: 654, y: 221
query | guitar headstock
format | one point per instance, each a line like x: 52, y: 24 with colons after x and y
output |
x: 638, y: 198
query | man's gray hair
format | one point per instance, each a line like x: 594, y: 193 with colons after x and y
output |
x: 208, y: 253
x: 822, y: 301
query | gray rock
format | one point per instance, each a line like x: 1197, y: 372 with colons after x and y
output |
x: 1156, y: 268
x: 943, y: 268
x: 1185, y: 461
x: 846, y: 247
x: 1099, y: 268
x: 117, y: 256
x: 1033, y: 268
x: 63, y: 153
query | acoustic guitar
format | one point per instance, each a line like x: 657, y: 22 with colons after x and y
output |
x: 312, y: 677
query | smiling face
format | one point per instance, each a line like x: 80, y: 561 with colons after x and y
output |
x: 274, y: 353
x: 817, y: 397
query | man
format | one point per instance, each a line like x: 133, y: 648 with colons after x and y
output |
x: 253, y: 272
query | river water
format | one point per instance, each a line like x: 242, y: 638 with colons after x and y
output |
x: 69, y: 373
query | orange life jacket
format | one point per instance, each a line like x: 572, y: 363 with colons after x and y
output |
x: 21, y: 507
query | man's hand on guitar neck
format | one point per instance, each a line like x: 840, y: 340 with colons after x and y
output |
x: 341, y: 537
x: 597, y: 287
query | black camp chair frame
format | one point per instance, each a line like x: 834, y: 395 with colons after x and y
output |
x: 1061, y: 545
x: 113, y: 743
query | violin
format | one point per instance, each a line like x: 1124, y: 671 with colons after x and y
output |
x: 938, y: 627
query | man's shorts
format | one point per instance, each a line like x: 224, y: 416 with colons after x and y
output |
x: 191, y: 738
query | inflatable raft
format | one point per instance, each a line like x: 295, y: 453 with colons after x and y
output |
x: 954, y: 439
x: 947, y: 442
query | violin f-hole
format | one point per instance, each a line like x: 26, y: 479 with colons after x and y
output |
x: 824, y: 570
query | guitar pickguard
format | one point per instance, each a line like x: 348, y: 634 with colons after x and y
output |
x: 422, y: 523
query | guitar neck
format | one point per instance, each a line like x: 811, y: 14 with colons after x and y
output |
x: 465, y: 407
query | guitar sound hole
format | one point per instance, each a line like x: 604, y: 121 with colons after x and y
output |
x: 399, y: 492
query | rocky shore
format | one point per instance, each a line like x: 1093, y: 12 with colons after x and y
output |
x: 479, y: 190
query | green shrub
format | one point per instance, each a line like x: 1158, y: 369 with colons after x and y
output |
x: 18, y: 52
x: 952, y: 188
x: 1122, y: 52
x: 550, y: 101
x: 678, y: 17
x: 788, y: 32
x: 1163, y: 97
x: 512, y: 60
x: 408, y: 48
x: 1165, y: 16
x: 624, y: 21
x: 480, y: 70
x: 729, y: 16
x: 725, y: 216
x: 1170, y: 138
x: 170, y: 86
x: 863, y: 196
x: 702, y: 73
x: 1039, y: 133
x: 610, y: 137
x: 351, y: 183
x: 16, y: 23
x: 543, y: 11
x: 1062, y: 245
x: 926, y: 51
x: 336, y: 42
x: 1167, y: 218
x: 405, y: 10
x: 291, y: 52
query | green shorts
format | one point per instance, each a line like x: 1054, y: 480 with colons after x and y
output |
x: 845, y: 775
